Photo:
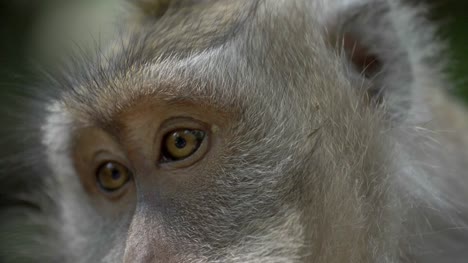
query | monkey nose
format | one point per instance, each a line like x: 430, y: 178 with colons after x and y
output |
x: 143, y: 248
x: 145, y: 243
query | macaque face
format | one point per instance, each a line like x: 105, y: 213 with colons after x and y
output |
x: 253, y: 149
x: 153, y: 138
x: 158, y: 162
x: 171, y: 172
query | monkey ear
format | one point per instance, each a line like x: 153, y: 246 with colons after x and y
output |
x: 380, y: 46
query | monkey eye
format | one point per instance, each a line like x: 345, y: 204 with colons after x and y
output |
x: 112, y: 176
x: 181, y: 144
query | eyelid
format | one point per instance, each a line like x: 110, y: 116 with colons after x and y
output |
x: 179, y: 123
x: 190, y: 160
x: 102, y: 156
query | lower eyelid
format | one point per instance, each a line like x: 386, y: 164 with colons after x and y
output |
x: 190, y: 160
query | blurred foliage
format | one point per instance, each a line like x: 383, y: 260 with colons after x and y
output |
x: 16, y: 23
x: 452, y: 15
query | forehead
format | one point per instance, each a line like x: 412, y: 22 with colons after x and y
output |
x: 215, y: 53
x: 189, y: 28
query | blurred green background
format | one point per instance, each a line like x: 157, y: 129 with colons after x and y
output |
x: 31, y: 32
x: 451, y: 14
x: 34, y: 34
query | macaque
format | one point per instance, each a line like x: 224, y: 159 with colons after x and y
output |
x: 245, y: 131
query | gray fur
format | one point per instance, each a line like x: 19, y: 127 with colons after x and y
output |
x: 316, y: 172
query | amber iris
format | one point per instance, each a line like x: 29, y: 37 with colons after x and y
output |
x: 112, y: 176
x: 181, y: 144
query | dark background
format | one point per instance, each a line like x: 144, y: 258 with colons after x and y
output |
x: 452, y: 14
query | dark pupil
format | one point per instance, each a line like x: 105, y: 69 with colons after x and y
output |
x: 180, y: 142
x: 115, y: 173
